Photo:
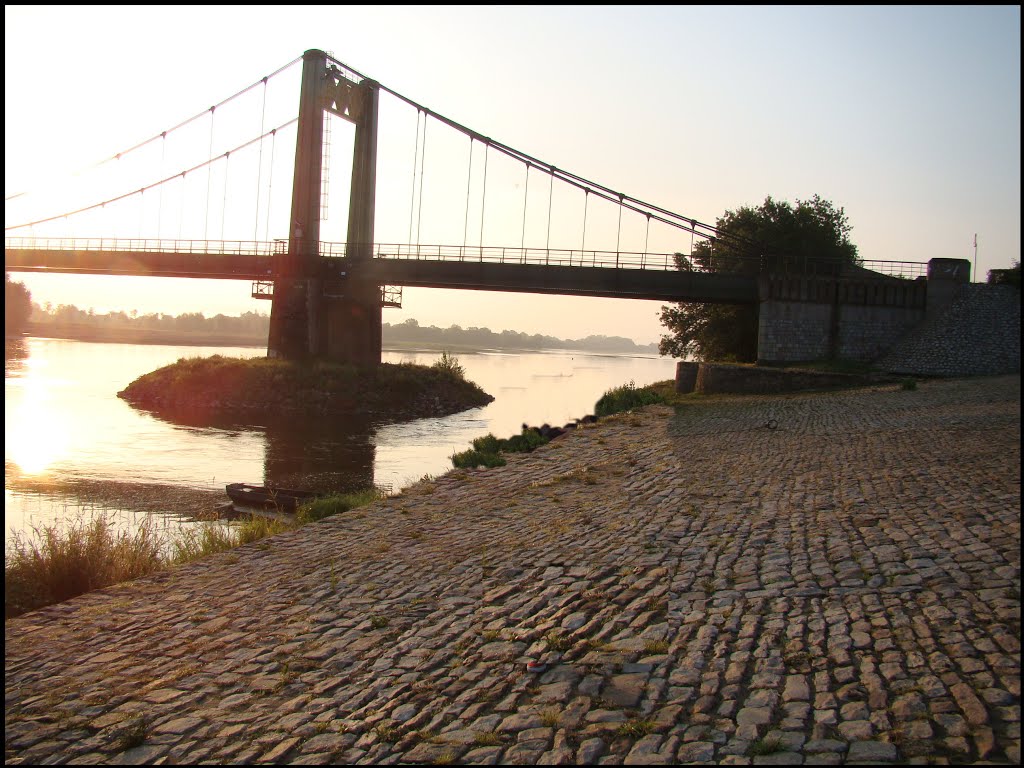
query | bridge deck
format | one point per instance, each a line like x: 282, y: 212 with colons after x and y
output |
x: 638, y: 281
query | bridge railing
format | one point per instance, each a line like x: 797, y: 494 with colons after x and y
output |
x: 485, y: 254
x: 147, y: 245
x: 511, y: 255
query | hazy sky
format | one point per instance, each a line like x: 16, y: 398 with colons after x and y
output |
x: 909, y: 118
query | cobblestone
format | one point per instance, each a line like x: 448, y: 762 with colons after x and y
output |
x: 844, y: 588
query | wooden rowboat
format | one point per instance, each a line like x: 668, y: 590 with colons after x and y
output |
x: 283, y: 499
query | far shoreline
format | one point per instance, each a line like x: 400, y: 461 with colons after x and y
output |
x: 174, y: 338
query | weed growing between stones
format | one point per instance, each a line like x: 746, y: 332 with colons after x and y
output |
x: 551, y: 717
x: 134, y: 734
x: 488, y: 739
x: 555, y: 641
x: 768, y: 745
x: 656, y: 647
x: 636, y: 728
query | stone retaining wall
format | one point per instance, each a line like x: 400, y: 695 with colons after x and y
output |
x: 978, y: 334
x: 722, y: 378
x: 808, y: 318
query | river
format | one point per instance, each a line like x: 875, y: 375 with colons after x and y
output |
x: 72, y: 447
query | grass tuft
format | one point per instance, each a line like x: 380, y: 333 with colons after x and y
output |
x: 54, y: 564
x: 625, y: 398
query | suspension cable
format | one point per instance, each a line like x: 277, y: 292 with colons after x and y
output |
x: 631, y: 203
x: 483, y: 199
x: 415, y: 158
x: 526, y: 190
x: 423, y: 161
x: 181, y: 210
x: 209, y: 178
x: 259, y: 167
x: 469, y: 177
x: 160, y: 202
x: 270, y: 182
x: 192, y: 119
x: 618, y: 235
x: 224, y: 206
x: 193, y: 169
x: 586, y: 198
x: 551, y: 190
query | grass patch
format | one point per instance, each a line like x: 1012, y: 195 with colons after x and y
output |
x: 55, y: 563
x: 908, y: 385
x: 625, y: 398
x: 325, y: 506
x: 487, y: 450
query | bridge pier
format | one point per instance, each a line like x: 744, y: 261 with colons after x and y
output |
x: 315, y: 315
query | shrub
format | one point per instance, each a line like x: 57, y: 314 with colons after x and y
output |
x: 473, y: 458
x: 625, y: 398
x: 450, y: 364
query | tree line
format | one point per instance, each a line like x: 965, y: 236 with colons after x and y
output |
x: 254, y: 326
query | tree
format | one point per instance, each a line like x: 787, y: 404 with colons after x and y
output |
x: 17, y: 306
x: 812, y: 236
x: 1009, y: 276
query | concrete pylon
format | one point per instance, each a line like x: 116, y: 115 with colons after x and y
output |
x: 315, y: 314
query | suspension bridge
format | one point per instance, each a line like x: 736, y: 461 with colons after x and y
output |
x: 326, y: 296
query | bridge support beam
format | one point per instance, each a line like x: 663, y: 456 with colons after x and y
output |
x: 352, y: 321
x: 309, y: 318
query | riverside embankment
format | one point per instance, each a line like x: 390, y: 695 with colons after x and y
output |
x: 843, y: 588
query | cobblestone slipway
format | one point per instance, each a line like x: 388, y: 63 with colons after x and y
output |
x: 843, y: 588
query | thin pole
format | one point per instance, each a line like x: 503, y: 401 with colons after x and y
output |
x: 975, y: 257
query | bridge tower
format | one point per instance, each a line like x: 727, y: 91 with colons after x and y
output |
x: 316, y: 314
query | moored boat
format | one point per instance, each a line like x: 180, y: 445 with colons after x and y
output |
x: 284, y: 499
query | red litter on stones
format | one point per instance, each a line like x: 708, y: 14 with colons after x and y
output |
x: 536, y: 666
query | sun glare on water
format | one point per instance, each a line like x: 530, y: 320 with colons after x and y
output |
x: 34, y: 436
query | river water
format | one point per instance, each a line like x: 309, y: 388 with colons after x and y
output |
x: 72, y: 447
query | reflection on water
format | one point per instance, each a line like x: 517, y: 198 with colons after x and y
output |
x: 68, y: 436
